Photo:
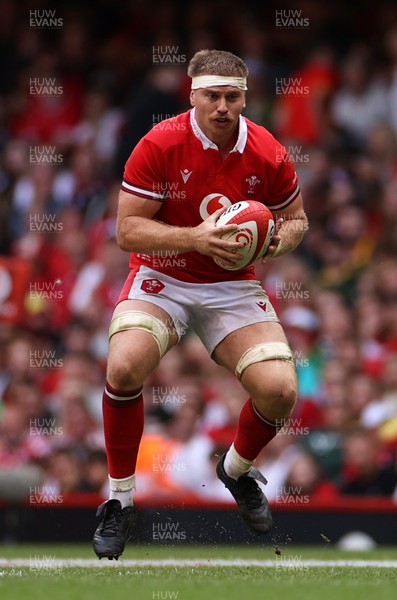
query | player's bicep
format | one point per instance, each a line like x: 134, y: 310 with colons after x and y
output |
x: 130, y: 206
x: 134, y: 206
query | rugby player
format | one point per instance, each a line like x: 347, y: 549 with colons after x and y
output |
x: 178, y: 180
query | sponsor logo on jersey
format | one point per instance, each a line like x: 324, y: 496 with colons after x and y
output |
x: 251, y: 185
x: 152, y: 286
x: 211, y: 203
x: 262, y: 305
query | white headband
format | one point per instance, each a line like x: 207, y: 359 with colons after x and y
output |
x: 206, y: 81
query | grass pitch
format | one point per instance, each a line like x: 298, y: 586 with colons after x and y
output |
x: 197, y: 573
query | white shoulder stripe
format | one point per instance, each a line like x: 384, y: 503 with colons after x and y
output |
x: 150, y: 194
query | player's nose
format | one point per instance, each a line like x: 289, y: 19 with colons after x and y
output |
x: 222, y: 106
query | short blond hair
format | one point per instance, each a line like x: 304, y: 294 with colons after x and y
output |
x: 217, y: 62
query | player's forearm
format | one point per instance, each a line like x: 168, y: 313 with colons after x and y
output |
x: 291, y: 232
x: 139, y: 234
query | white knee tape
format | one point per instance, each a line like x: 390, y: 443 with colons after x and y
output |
x: 136, y: 319
x: 261, y: 352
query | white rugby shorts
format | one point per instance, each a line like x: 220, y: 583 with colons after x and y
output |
x: 212, y: 310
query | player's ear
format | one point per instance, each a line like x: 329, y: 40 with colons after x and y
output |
x: 191, y: 98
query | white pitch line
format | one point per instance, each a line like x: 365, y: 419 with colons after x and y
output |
x: 44, y: 563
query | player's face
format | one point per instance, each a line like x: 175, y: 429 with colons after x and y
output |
x: 217, y: 110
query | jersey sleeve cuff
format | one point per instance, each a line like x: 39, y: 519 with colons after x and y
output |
x: 287, y: 201
x: 141, y: 192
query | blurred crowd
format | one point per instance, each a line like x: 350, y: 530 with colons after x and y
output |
x: 326, y: 86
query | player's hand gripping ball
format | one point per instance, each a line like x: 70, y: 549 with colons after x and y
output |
x: 255, y: 229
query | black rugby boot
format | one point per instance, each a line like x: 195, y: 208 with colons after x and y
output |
x: 114, y: 530
x: 252, y: 502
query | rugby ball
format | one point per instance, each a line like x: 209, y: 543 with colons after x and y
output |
x: 255, y: 229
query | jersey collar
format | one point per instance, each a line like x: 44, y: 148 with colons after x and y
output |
x: 207, y: 143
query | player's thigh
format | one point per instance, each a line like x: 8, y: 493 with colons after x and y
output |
x: 134, y: 353
x: 233, y: 346
x: 266, y: 379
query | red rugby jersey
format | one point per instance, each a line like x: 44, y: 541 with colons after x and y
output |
x: 176, y: 164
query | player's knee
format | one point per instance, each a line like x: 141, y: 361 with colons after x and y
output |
x: 285, y: 399
x: 273, y: 394
x: 276, y: 402
x: 122, y: 376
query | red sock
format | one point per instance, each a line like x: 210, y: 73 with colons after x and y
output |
x: 123, y: 427
x: 254, y: 432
